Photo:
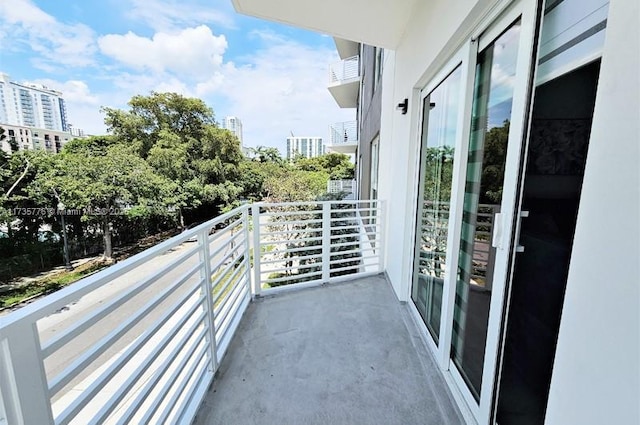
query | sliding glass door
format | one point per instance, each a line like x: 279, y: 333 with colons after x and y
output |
x: 484, y: 184
x: 473, y: 123
x: 439, y: 127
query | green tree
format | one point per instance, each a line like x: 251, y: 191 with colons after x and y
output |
x: 337, y: 165
x: 179, y: 138
x: 105, y: 184
x: 266, y: 154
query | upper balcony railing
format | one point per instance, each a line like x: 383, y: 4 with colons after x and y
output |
x: 344, y: 70
x: 343, y: 133
x: 140, y: 342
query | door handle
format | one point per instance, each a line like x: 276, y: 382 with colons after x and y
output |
x: 496, y: 239
x: 523, y: 214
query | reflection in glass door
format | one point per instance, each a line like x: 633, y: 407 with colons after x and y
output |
x: 440, y: 116
x: 492, y: 103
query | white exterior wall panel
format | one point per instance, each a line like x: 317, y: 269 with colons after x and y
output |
x: 596, y: 378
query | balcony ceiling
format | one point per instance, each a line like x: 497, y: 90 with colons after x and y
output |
x: 346, y: 48
x: 375, y: 22
x: 345, y: 92
x: 346, y: 148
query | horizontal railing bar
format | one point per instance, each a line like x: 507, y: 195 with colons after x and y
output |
x: 151, y: 383
x: 304, y: 266
x: 226, y: 243
x: 232, y: 252
x: 288, y: 214
x: 222, y: 233
x: 354, y: 210
x: 289, y: 250
x: 355, y: 243
x: 351, y: 251
x: 237, y: 272
x: 288, y: 278
x: 304, y: 257
x: 347, y: 260
x: 292, y: 232
x: 224, y: 271
x: 187, y: 400
x: 88, y: 393
x: 355, y: 235
x: 122, y: 392
x: 223, y: 323
x: 55, y: 301
x: 341, y: 269
x: 57, y: 341
x: 172, y: 379
x: 224, y: 308
x: 353, y: 226
x: 317, y: 203
x: 292, y: 223
x: 223, y: 343
x: 290, y: 240
x: 74, y: 368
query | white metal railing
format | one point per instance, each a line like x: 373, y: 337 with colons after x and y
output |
x: 343, y: 133
x: 141, y: 341
x: 341, y: 186
x: 344, y: 70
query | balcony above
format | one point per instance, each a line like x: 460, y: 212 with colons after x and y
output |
x: 346, y: 48
x: 337, y: 354
x: 381, y: 23
x: 344, y: 81
x: 343, y: 137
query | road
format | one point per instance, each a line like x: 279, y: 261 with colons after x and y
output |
x: 61, y: 320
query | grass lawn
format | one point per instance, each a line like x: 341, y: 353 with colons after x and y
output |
x: 43, y: 286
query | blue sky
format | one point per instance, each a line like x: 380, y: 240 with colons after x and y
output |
x: 101, y: 53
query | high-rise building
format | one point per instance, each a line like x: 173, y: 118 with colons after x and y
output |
x: 234, y: 125
x: 31, y: 105
x: 307, y: 147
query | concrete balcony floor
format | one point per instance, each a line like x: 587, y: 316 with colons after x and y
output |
x: 338, y: 354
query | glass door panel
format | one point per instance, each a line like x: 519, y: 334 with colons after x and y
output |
x: 485, y: 175
x: 440, y: 117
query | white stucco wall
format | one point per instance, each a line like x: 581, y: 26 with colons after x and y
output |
x: 596, y: 377
x: 433, y: 33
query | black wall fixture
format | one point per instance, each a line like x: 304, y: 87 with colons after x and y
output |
x: 403, y: 106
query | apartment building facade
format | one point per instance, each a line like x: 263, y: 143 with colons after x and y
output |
x: 30, y: 138
x: 234, y: 125
x: 31, y: 105
x: 305, y: 146
x: 506, y: 129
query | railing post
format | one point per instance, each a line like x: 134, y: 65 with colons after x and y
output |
x: 23, y: 380
x: 207, y: 290
x: 381, y: 218
x: 326, y: 241
x: 247, y: 247
x: 257, y: 284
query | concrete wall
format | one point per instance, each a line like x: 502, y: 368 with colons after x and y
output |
x: 596, y: 376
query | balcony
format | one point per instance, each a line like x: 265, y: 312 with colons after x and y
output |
x: 343, y: 137
x: 143, y: 341
x: 344, y: 81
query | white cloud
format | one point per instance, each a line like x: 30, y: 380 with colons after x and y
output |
x: 83, y: 106
x: 283, y: 89
x: 193, y: 52
x: 168, y: 15
x: 58, y: 43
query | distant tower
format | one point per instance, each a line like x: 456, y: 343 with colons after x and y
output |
x: 306, y: 146
x: 234, y: 125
